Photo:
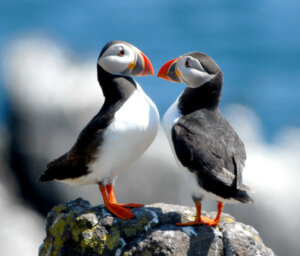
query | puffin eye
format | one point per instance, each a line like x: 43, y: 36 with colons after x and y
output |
x: 121, y: 53
x: 187, y: 64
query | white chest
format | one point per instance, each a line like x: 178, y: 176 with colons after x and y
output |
x: 131, y: 132
x: 137, y: 115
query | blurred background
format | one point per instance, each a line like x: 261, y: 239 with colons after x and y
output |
x: 49, y: 91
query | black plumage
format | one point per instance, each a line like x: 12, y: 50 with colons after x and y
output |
x: 105, y: 147
x: 203, y: 141
x: 207, y: 145
x: 116, y: 89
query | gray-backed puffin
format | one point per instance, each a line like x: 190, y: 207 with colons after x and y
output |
x: 118, y: 134
x: 205, y: 145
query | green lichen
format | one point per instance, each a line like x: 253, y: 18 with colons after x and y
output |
x: 60, y: 208
x: 46, y: 247
x: 77, y: 227
x: 140, y: 227
x: 142, y: 223
x: 113, y: 238
x: 228, y: 219
x: 58, y: 227
x: 91, y: 242
x: 86, y: 237
x: 256, y: 238
x: 129, y: 231
x: 188, y: 218
x: 248, y: 230
x: 146, y: 253
x: 76, y: 231
x: 57, y: 231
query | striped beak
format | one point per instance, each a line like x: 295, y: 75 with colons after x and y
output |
x: 142, y: 65
x: 169, y: 72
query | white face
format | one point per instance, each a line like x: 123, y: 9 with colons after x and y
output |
x: 191, y: 72
x: 118, y: 59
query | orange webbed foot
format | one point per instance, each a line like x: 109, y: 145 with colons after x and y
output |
x: 209, y: 221
x: 120, y: 211
x: 110, y: 201
x: 203, y: 221
x: 112, y: 198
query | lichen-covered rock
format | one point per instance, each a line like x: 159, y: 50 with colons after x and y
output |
x: 76, y: 228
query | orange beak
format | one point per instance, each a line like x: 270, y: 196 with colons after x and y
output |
x: 167, y: 71
x: 148, y: 68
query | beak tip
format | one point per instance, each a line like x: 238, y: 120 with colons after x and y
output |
x: 163, y: 72
x: 161, y: 75
x: 151, y: 71
x: 148, y: 68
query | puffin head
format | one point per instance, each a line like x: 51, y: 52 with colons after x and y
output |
x: 194, y: 69
x: 122, y: 58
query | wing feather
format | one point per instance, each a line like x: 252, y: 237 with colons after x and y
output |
x: 216, y: 158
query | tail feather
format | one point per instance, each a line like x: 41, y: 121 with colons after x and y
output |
x: 49, y: 174
x: 248, y: 189
x: 242, y: 196
x: 44, y: 178
x: 64, y: 172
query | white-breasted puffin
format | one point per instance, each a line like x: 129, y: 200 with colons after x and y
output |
x: 205, y: 145
x: 118, y: 134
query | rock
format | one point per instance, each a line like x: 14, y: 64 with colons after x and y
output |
x: 76, y: 228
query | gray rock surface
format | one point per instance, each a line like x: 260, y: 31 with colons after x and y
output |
x: 76, y: 228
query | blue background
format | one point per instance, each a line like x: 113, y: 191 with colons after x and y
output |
x: 256, y: 43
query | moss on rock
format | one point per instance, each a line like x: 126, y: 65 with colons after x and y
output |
x: 76, y: 229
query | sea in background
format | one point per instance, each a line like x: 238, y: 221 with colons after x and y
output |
x: 256, y: 43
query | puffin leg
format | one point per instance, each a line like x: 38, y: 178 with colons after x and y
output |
x: 118, y: 210
x: 112, y: 198
x: 197, y: 220
x: 111, y: 194
x: 214, y: 222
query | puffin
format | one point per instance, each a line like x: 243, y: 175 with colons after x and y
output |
x: 118, y: 134
x: 206, y: 147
